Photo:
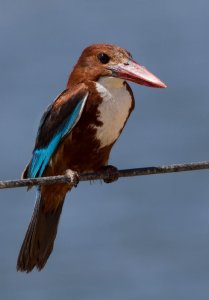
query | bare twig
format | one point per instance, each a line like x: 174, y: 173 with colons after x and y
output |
x: 95, y: 176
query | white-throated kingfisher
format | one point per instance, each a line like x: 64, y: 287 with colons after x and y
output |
x: 77, y: 133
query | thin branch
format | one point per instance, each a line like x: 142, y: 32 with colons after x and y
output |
x: 98, y: 176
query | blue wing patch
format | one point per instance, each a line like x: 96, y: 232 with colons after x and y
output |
x: 42, y: 156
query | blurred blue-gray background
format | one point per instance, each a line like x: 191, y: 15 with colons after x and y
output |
x: 139, y: 238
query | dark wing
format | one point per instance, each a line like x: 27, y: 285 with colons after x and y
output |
x: 59, y: 119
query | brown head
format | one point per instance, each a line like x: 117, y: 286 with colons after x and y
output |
x: 109, y: 60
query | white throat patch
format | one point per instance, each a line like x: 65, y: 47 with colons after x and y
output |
x: 114, y: 108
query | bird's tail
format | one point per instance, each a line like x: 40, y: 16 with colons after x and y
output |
x: 39, y: 239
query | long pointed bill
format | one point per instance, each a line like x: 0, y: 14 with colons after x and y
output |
x: 136, y: 73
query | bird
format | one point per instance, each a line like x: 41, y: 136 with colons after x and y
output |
x: 76, y: 135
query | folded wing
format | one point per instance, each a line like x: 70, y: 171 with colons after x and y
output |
x: 59, y: 120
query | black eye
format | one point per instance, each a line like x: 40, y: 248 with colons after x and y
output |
x: 103, y: 57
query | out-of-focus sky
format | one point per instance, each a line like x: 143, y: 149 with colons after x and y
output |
x: 139, y: 238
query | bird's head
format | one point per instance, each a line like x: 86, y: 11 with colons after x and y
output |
x: 100, y: 60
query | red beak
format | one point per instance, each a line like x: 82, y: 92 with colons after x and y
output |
x: 132, y: 71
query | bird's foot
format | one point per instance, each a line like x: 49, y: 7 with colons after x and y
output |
x: 73, y: 176
x: 111, y: 172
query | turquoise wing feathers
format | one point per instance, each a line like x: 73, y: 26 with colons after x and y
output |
x: 56, y: 123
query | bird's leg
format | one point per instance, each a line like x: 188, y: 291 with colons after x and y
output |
x: 112, y: 173
x: 74, y: 177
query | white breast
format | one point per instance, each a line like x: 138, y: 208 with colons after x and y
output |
x: 114, y: 108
